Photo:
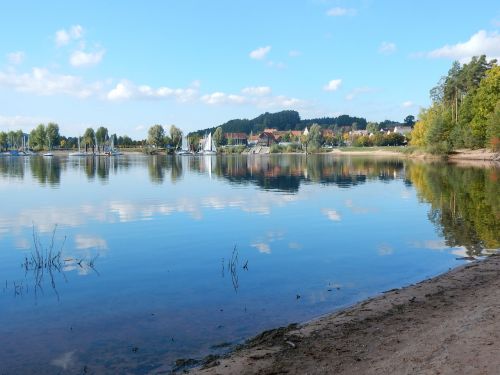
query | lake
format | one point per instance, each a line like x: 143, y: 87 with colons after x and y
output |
x: 128, y: 263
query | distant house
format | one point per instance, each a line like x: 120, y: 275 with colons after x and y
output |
x: 266, y: 139
x: 236, y: 138
x: 306, y: 131
x: 296, y: 133
x: 403, y: 130
x: 358, y: 133
x: 270, y: 130
x: 252, y: 140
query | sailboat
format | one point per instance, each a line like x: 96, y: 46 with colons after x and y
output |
x: 209, y: 146
x: 112, y: 151
x: 185, y: 147
x: 79, y: 153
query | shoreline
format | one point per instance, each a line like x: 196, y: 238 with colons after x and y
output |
x: 464, y: 155
x: 443, y: 325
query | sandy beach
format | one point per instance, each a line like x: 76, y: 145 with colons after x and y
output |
x: 445, y: 325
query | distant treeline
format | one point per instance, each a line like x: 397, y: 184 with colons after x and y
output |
x: 45, y: 137
x: 287, y: 120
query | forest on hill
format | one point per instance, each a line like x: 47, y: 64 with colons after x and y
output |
x: 284, y: 120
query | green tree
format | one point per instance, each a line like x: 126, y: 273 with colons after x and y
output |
x: 101, y: 135
x: 218, y: 137
x: 125, y: 141
x: 372, y: 127
x: 493, y: 129
x: 409, y: 120
x: 38, y: 137
x: 3, y: 141
x: 175, y: 136
x: 316, y: 135
x: 194, y: 140
x: 484, y: 102
x: 287, y: 137
x: 156, y: 135
x: 89, y: 137
x: 52, y: 134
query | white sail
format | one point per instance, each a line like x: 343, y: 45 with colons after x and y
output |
x: 209, y: 145
x: 185, y: 145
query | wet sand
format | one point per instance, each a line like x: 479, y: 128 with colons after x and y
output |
x: 449, y: 324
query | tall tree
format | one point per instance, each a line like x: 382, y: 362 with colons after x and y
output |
x: 218, y: 136
x: 372, y: 127
x: 175, y: 136
x: 101, y: 135
x: 52, y: 133
x: 3, y: 141
x: 315, y: 135
x: 484, y: 102
x: 156, y: 134
x: 409, y: 120
x: 38, y: 137
x: 89, y: 137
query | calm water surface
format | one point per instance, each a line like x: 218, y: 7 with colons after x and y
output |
x: 165, y: 258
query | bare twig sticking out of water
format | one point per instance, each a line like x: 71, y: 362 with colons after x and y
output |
x: 233, y: 268
x: 44, y: 261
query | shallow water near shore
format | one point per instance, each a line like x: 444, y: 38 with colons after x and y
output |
x: 167, y: 257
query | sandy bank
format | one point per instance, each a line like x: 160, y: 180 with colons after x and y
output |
x: 446, y: 325
x: 368, y: 152
x: 481, y: 154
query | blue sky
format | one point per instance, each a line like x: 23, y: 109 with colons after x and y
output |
x: 128, y: 65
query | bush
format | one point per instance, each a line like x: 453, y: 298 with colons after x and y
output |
x: 275, y: 149
x: 439, y: 148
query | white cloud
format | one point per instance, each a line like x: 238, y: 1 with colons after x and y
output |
x: 65, y: 361
x: 407, y: 104
x: 294, y: 53
x: 387, y: 48
x: 338, y: 11
x: 333, y: 85
x: 385, y: 249
x: 63, y: 37
x: 257, y: 90
x: 222, y: 98
x: 263, y: 247
x: 41, y: 81
x: 331, y: 214
x: 120, y: 92
x: 359, y: 90
x: 276, y: 64
x: 81, y: 58
x: 481, y: 43
x: 83, y: 242
x: 258, y: 96
x: 76, y: 31
x: 25, y: 123
x: 16, y: 57
x: 128, y: 90
x: 280, y: 101
x: 260, y: 53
